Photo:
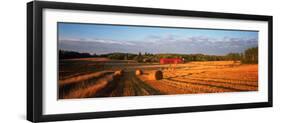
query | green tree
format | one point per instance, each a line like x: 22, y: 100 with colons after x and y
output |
x: 250, y: 56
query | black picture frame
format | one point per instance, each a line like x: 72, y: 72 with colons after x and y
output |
x: 35, y: 69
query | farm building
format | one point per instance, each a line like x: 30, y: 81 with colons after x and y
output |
x: 171, y: 60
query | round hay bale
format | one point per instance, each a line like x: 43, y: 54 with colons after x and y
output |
x: 156, y: 75
x: 139, y: 72
x: 119, y: 72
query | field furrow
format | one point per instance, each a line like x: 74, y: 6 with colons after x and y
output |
x: 188, y: 78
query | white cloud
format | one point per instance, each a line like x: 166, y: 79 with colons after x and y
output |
x: 164, y: 44
x: 106, y: 41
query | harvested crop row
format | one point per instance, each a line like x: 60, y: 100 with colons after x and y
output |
x: 224, y: 80
x: 165, y: 86
x: 237, y: 87
x: 81, y: 78
x: 197, y: 87
x: 134, y: 86
x: 90, y: 90
x: 128, y: 88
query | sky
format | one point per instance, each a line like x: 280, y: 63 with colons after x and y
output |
x: 101, y: 39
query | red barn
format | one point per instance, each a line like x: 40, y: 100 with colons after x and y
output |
x: 171, y: 60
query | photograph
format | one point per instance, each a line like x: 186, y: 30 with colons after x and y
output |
x: 88, y: 60
x: 109, y: 60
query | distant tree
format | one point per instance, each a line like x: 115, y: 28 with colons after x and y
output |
x: 94, y: 55
x: 233, y: 56
x: 250, y: 56
x: 72, y: 54
x: 139, y: 53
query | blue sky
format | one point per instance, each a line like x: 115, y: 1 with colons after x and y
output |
x: 133, y: 33
x: 120, y: 34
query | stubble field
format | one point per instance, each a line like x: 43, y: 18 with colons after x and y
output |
x: 101, y: 77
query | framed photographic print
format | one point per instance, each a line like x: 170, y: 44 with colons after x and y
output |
x: 96, y: 61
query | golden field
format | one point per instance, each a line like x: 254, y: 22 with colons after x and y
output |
x: 88, y: 78
x: 207, y: 77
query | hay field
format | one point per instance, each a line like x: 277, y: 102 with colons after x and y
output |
x: 207, y: 77
x: 90, y: 78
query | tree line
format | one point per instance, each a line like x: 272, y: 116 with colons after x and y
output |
x: 249, y: 56
x: 72, y: 54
